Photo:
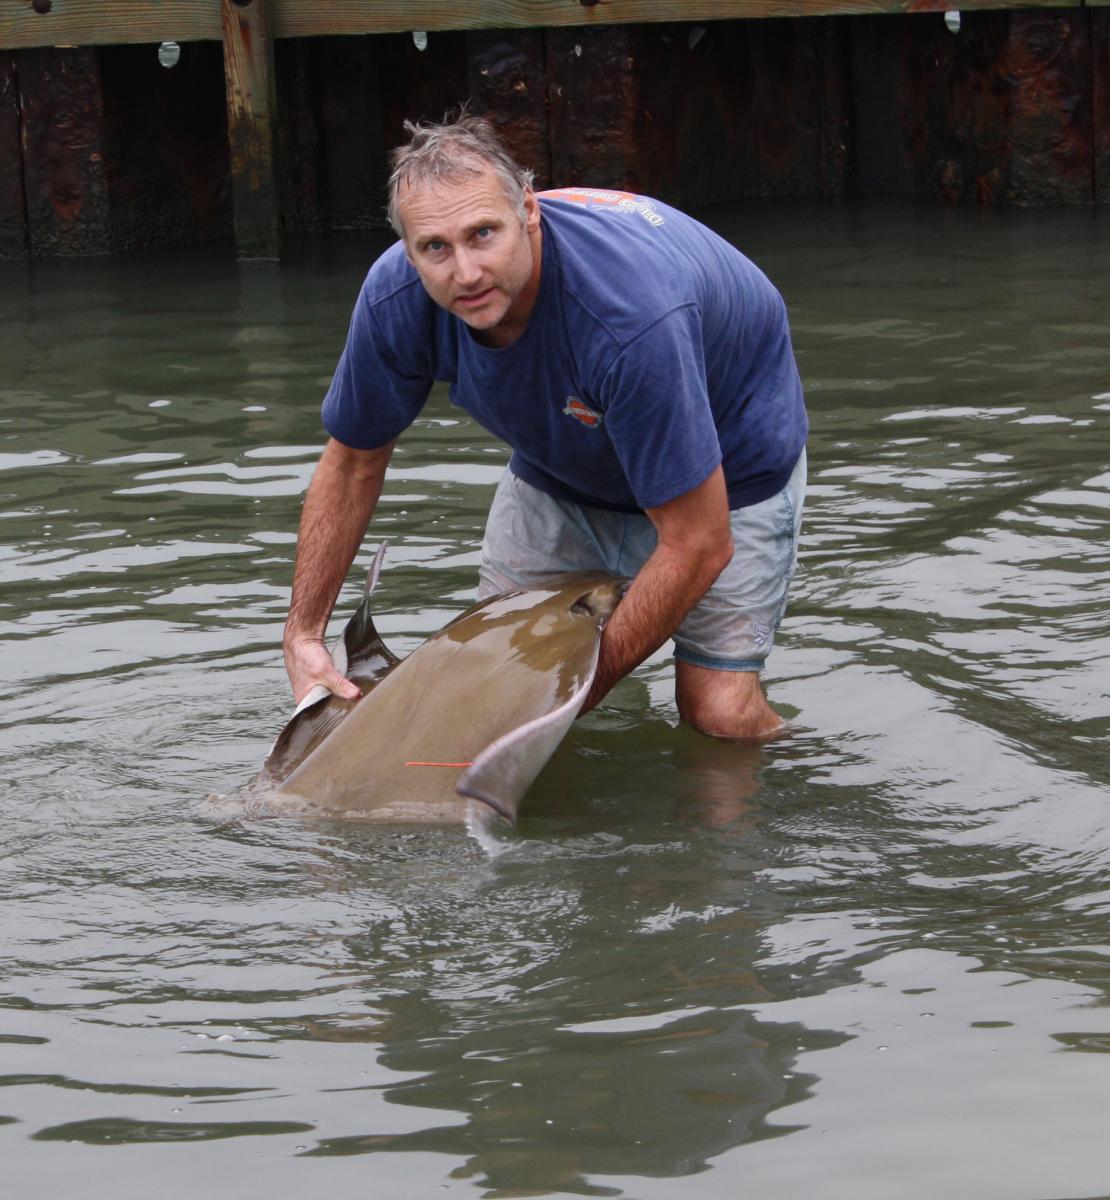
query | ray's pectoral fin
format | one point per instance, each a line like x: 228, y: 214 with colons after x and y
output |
x: 508, y: 766
x: 366, y: 659
x: 313, y: 720
x: 362, y: 657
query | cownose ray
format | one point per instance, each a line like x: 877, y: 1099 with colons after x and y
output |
x: 474, y: 712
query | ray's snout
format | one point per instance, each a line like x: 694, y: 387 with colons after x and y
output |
x: 599, y: 602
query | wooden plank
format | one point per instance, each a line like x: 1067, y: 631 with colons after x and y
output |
x: 251, y: 127
x: 594, y: 100
x: 69, y: 209
x: 508, y: 83
x: 13, y: 205
x: 164, y: 136
x: 1100, y: 101
x: 300, y: 156
x: 27, y: 23
x: 1048, y: 67
x: 752, y: 108
x: 997, y: 115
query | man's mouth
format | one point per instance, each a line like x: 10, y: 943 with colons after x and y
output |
x: 473, y: 299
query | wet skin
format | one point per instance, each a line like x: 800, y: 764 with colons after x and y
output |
x: 474, y: 254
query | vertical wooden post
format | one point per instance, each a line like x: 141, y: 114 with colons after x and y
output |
x: 251, y: 127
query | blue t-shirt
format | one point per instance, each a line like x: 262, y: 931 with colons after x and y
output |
x: 655, y: 351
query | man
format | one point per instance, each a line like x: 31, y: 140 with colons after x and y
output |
x: 642, y: 372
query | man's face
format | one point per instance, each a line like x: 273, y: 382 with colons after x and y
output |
x: 474, y: 255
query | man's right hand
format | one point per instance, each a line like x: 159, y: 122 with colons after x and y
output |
x: 341, y: 498
x: 308, y: 663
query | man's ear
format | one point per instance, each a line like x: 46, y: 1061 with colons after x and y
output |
x: 531, y: 211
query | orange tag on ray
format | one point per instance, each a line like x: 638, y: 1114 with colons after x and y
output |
x: 438, y: 764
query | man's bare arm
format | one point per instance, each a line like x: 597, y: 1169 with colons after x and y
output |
x: 694, y: 547
x: 337, y: 509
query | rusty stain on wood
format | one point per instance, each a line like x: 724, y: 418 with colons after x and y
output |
x: 1049, y: 60
x: 104, y: 150
x: 63, y: 152
x: 599, y: 90
x: 507, y: 82
x: 251, y: 127
x: 999, y: 114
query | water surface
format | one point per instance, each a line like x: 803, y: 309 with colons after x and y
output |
x: 870, y: 960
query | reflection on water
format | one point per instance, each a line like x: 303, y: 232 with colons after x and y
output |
x: 867, y: 960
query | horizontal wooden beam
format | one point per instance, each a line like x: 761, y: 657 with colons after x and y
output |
x: 27, y: 23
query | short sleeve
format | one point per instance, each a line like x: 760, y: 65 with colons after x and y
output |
x: 383, y: 377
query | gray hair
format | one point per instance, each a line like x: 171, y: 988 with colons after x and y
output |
x: 453, y: 150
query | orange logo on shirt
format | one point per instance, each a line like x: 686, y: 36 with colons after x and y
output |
x: 587, y: 195
x: 627, y: 202
x: 582, y: 412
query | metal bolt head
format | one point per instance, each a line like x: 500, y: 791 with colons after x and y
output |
x: 169, y: 53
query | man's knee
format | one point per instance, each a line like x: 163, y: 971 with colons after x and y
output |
x: 724, y: 704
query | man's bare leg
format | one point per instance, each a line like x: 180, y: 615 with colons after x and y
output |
x: 724, y: 704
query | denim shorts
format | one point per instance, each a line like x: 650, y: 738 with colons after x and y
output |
x: 531, y: 536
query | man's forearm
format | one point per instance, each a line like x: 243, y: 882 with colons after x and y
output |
x: 694, y: 547
x: 337, y: 509
x: 668, y: 585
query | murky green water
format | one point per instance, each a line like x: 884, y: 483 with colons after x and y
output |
x: 870, y: 961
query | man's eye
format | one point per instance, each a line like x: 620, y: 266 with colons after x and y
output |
x: 484, y: 232
x: 434, y: 246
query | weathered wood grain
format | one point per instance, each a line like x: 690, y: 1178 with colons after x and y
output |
x: 251, y: 127
x: 105, y: 22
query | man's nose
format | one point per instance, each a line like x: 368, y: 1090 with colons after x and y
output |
x: 467, y: 268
